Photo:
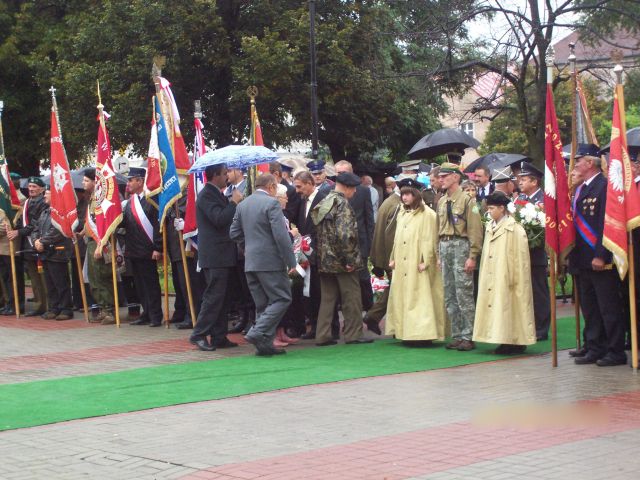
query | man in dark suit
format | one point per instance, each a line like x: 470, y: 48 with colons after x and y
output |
x: 311, y: 195
x: 293, y: 198
x: 483, y: 182
x: 218, y: 258
x: 260, y: 228
x: 529, y: 180
x: 363, y: 208
x: 598, y: 282
x: 143, y: 247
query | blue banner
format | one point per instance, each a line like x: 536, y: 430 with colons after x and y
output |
x: 170, y: 183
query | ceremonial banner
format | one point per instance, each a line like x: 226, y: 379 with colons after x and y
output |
x: 180, y: 154
x: 622, y: 212
x: 196, y: 184
x: 559, y: 230
x: 256, y: 135
x: 584, y: 128
x: 9, y: 201
x: 108, y: 207
x: 170, y: 184
x: 64, y: 212
x: 153, y: 178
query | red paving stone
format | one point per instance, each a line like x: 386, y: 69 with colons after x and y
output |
x: 436, y: 449
x: 38, y: 324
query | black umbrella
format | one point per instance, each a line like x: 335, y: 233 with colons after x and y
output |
x: 442, y: 141
x: 633, y: 141
x: 493, y: 160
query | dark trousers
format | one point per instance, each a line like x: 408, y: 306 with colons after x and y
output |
x: 145, y: 276
x: 601, y: 305
x: 541, y: 301
x: 212, y: 319
x: 312, y: 302
x: 37, y: 284
x: 7, y: 280
x: 182, y: 296
x: 366, y: 292
x: 379, y: 309
x: 58, y: 282
x: 271, y: 293
x: 76, y: 292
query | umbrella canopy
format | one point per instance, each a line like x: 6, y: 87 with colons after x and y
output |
x: 493, y: 160
x: 234, y: 156
x: 633, y: 141
x: 442, y: 141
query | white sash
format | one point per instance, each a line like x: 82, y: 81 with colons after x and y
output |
x: 141, y: 217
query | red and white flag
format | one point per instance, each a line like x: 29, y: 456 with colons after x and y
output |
x: 153, y: 178
x: 64, y: 212
x: 108, y: 207
x: 559, y: 229
x: 622, y: 212
x: 196, y: 183
x: 180, y: 154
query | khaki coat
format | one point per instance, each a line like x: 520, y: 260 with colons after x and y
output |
x: 4, y: 241
x: 385, y: 232
x: 416, y: 300
x: 504, y: 309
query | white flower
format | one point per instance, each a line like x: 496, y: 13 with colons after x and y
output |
x: 511, y: 207
x: 542, y: 218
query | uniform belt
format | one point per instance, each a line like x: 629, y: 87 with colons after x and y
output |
x: 449, y: 237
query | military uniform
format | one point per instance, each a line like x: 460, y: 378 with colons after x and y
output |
x: 460, y: 232
x: 338, y: 247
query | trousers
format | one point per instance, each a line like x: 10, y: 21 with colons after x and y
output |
x: 458, y: 287
x: 344, y: 287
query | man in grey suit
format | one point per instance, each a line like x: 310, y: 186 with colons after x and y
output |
x: 259, y: 225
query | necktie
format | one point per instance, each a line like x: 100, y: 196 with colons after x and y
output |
x: 450, y: 214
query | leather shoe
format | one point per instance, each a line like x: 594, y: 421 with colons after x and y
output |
x: 326, y: 343
x: 202, y: 344
x: 453, y: 345
x: 35, y: 313
x: 141, y: 321
x: 372, y: 326
x: 542, y: 338
x: 268, y: 351
x: 608, y: 361
x: 586, y: 360
x: 8, y: 311
x: 155, y: 324
x: 183, y: 325
x: 225, y: 343
x: 359, y: 341
x: 238, y: 326
x: 310, y: 335
x: 578, y: 353
x: 466, y: 345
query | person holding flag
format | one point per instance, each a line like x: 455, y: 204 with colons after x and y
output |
x: 598, y: 284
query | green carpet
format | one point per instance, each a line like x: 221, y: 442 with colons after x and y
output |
x: 51, y: 401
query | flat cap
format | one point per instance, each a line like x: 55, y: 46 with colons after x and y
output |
x: 528, y: 170
x: 501, y: 174
x: 411, y: 165
x: 315, y: 166
x: 348, y: 179
x: 137, y: 172
x: 587, y: 150
x: 448, y: 167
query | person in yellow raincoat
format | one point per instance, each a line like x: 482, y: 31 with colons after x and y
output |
x: 415, y: 312
x: 504, y: 311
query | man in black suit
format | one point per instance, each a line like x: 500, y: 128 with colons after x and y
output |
x: 293, y: 198
x: 483, y: 182
x: 143, y: 247
x: 311, y: 196
x: 363, y: 208
x: 529, y: 180
x: 218, y: 258
x: 598, y: 282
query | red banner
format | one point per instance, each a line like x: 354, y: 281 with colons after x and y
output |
x: 153, y: 178
x: 196, y: 183
x: 559, y: 230
x: 107, y: 198
x: 622, y: 213
x: 64, y: 213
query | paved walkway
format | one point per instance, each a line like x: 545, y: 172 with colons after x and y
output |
x: 508, y: 419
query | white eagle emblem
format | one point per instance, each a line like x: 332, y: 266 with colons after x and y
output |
x: 59, y: 178
x: 616, y: 177
x: 549, y: 182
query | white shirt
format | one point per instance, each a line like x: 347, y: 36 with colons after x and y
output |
x: 310, y: 201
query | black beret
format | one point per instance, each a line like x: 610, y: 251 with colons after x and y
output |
x: 409, y: 182
x: 498, y: 198
x: 348, y: 179
x: 36, y: 180
x: 90, y: 173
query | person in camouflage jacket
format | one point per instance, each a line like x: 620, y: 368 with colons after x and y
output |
x: 339, y: 259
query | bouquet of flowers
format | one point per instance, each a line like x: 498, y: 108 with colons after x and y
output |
x: 532, y: 218
x: 302, y: 249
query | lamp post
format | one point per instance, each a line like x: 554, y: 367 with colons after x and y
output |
x: 314, y: 79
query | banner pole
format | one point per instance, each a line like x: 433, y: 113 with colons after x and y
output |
x: 85, y: 307
x: 632, y: 307
x: 554, y: 329
x: 576, y: 311
x: 14, y: 277
x: 116, y: 301
x: 166, y: 276
x: 187, y: 278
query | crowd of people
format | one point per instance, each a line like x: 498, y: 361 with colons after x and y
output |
x: 281, y: 263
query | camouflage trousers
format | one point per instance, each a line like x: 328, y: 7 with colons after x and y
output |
x: 100, y: 279
x: 458, y: 287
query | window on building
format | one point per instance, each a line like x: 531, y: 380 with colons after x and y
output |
x: 467, y: 128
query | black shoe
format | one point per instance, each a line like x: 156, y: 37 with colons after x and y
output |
x: 8, y: 311
x: 609, y: 361
x: 155, y: 324
x: 35, y: 313
x: 225, y: 343
x: 202, y: 344
x: 372, y: 326
x: 310, y: 335
x: 269, y: 351
x: 542, y: 338
x: 141, y: 321
x: 184, y: 325
x: 578, y: 353
x: 327, y: 343
x: 359, y: 341
x: 586, y: 360
x: 238, y: 326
